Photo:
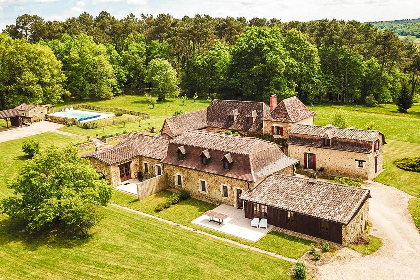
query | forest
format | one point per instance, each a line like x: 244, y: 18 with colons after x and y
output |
x: 89, y: 57
x: 404, y: 27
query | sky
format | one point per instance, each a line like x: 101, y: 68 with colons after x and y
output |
x: 301, y: 10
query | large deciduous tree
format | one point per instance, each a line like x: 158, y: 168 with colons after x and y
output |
x: 29, y: 73
x: 57, y: 189
x: 162, y: 77
x: 86, y: 65
x: 134, y: 59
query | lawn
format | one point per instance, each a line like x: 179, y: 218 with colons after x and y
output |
x: 12, y: 157
x: 158, y: 114
x: 186, y: 211
x: 129, y: 246
x: 366, y: 249
x: 414, y: 208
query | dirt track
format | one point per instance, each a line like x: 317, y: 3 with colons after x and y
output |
x: 398, y: 258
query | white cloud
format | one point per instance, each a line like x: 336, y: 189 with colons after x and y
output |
x: 80, y: 4
x: 76, y: 10
x: 17, y: 2
x: 130, y: 2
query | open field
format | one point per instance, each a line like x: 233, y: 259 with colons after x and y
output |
x: 127, y: 246
x: 185, y: 211
x: 158, y: 114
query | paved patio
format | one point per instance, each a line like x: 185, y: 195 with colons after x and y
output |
x: 129, y: 186
x: 236, y: 224
x: 20, y: 132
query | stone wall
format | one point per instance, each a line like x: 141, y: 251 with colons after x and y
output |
x: 152, y: 172
x: 336, y: 162
x: 111, y: 173
x: 151, y: 186
x: 357, y: 225
x: 191, y: 183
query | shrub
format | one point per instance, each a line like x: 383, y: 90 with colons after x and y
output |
x: 184, y: 195
x: 371, y: 101
x: 316, y: 256
x: 89, y: 125
x: 325, y: 247
x: 339, y: 119
x: 68, y: 124
x: 349, y: 181
x: 178, y: 112
x: 313, y: 249
x: 30, y: 147
x: 300, y: 271
x: 118, y: 114
x: 174, y: 199
x: 408, y: 163
x: 162, y: 206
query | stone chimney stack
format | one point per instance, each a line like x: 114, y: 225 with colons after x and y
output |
x: 273, y: 102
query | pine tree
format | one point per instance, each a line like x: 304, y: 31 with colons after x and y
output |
x: 404, y: 99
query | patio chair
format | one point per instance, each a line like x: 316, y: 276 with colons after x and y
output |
x: 255, y: 222
x: 263, y: 223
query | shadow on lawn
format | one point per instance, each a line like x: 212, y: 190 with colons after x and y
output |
x: 14, y: 231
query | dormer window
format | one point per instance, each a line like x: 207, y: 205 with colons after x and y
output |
x: 181, y: 153
x: 251, y: 119
x: 205, y: 157
x: 227, y: 161
x: 234, y: 114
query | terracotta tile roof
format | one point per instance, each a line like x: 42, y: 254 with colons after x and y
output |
x: 9, y: 113
x: 220, y: 114
x: 251, y: 159
x: 348, y: 139
x: 188, y: 121
x: 25, y: 107
x: 135, y: 144
x: 324, y: 200
x: 291, y: 110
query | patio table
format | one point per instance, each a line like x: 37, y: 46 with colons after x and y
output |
x: 213, y: 215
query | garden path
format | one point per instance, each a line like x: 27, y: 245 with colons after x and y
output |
x: 35, y: 128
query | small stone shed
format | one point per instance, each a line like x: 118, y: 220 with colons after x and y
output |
x: 321, y: 209
x: 12, y: 115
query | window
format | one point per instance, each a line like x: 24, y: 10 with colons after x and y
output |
x: 180, y: 156
x: 325, y: 225
x: 376, y: 146
x: 225, y: 164
x: 203, y: 186
x: 277, y: 130
x: 179, y: 180
x: 203, y: 160
x: 360, y: 163
x: 146, y: 167
x: 290, y: 217
x: 260, y: 210
x: 158, y: 169
x: 327, y: 142
x: 250, y: 120
x: 225, y: 192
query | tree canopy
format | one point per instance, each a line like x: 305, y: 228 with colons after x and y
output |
x: 57, y: 189
x: 162, y: 77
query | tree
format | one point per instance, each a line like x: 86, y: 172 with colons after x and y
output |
x: 404, y: 99
x: 134, y: 58
x: 29, y: 73
x: 30, y: 147
x: 57, y: 189
x: 258, y: 64
x: 162, y: 77
x: 86, y: 65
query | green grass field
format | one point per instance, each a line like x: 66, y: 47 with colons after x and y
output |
x: 158, y: 114
x: 366, y: 249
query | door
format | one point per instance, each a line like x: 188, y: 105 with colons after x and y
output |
x: 125, y: 171
x: 239, y: 203
x: 310, y: 161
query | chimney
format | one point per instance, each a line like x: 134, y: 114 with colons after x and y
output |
x: 273, y: 102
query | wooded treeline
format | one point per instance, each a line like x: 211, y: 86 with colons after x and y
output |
x: 405, y: 27
x: 90, y: 57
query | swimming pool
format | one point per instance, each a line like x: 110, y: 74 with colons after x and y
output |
x: 81, y: 116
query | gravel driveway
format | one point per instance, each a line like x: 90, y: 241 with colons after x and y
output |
x: 35, y: 128
x: 398, y: 258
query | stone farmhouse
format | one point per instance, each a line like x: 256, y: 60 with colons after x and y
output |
x: 220, y: 167
x: 334, y: 151
x: 33, y: 112
x: 246, y: 172
x: 246, y: 117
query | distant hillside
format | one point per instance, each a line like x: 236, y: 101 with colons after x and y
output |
x: 404, y: 27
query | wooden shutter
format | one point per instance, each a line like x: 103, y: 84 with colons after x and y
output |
x: 272, y: 130
x: 305, y: 160
x: 314, y: 161
x: 281, y: 130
